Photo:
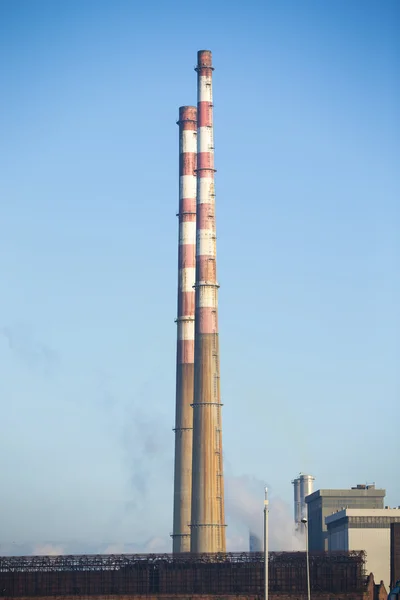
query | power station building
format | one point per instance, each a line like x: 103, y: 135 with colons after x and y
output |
x: 394, y: 554
x: 323, y: 503
x: 181, y: 576
x: 364, y: 529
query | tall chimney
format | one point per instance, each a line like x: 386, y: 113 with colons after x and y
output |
x: 208, y: 518
x: 185, y: 321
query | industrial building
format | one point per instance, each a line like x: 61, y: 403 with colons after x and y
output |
x: 364, y: 529
x: 394, y: 554
x: 322, y: 503
x: 134, y: 577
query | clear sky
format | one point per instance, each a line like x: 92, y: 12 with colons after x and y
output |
x: 307, y: 150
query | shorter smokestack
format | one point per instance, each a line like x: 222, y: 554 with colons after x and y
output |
x: 297, y: 501
x: 185, y: 330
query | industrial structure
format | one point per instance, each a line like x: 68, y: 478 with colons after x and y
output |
x: 394, y: 554
x: 137, y: 576
x: 208, y: 514
x: 322, y: 503
x: 199, y: 567
x: 302, y: 487
x: 366, y: 529
x: 185, y: 329
x: 199, y: 515
x: 297, y: 502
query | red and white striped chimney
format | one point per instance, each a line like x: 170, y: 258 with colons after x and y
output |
x: 185, y: 321
x: 208, y: 518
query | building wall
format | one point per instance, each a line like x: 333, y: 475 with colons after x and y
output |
x: 338, y: 539
x: 394, y: 553
x: 376, y: 543
x: 368, y: 594
x: 323, y: 503
x: 365, y: 530
x: 184, y: 576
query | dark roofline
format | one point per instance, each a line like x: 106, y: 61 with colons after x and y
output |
x: 369, y: 492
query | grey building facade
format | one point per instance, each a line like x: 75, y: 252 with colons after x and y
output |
x: 323, y: 503
x: 394, y: 554
x: 365, y: 529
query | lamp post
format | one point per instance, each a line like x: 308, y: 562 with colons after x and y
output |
x: 304, y: 521
x: 266, y: 544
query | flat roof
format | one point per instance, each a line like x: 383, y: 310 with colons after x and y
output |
x: 368, y: 492
x: 363, y: 512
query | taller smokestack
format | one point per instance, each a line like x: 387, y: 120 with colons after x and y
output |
x: 208, y: 514
x: 185, y: 321
x: 306, y: 488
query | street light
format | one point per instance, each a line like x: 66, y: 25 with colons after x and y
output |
x: 304, y: 521
x: 266, y: 544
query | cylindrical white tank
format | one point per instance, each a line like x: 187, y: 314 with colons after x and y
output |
x: 306, y: 488
x: 297, y: 500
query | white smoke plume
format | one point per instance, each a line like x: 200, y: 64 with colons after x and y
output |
x: 244, y: 509
x: 47, y: 550
x: 147, y: 446
x: 154, y: 545
x: 30, y: 351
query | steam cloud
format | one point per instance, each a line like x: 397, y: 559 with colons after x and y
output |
x: 147, y: 446
x: 244, y: 507
x: 31, y: 352
x: 152, y: 545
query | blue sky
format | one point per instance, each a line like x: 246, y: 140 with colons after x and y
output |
x: 307, y: 153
